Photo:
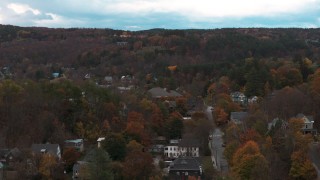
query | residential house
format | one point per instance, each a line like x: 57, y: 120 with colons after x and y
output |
x: 277, y: 121
x: 158, y: 93
x: 55, y: 75
x: 239, y: 97
x: 171, y: 105
x: 172, y: 150
x: 158, y: 144
x: 185, y: 168
x: 238, y: 117
x: 189, y: 147
x: 87, y: 76
x: 159, y: 140
x: 253, y: 99
x: 184, y: 147
x: 80, y: 170
x: 99, y: 140
x: 74, y: 143
x: 8, y: 156
x: 308, y: 124
x: 53, y: 149
x: 108, y: 80
x: 156, y: 148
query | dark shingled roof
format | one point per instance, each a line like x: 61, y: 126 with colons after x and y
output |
x: 185, y: 163
x: 239, y: 115
x: 50, y: 148
x: 158, y: 92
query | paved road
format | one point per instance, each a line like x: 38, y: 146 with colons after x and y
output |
x: 315, y: 156
x: 216, y: 145
x: 217, y: 149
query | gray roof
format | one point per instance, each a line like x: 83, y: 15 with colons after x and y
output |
x: 307, y: 119
x: 185, y: 163
x: 15, y: 152
x: 158, y: 92
x: 50, y: 148
x: 4, y: 152
x: 238, y: 115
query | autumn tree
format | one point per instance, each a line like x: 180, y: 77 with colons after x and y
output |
x: 288, y: 102
x: 288, y: 76
x: 181, y: 105
x: 157, y: 120
x: 220, y: 116
x: 301, y: 166
x: 249, y: 163
x: 136, y: 128
x: 70, y: 157
x: 47, y: 165
x: 250, y: 135
x: 137, y: 165
x: 133, y: 145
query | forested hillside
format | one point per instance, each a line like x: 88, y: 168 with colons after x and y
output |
x: 58, y: 84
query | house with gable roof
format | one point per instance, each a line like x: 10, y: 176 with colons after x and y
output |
x: 53, y: 149
x: 238, y: 117
x: 74, y: 143
x: 158, y: 93
x: 185, y: 168
x: 239, y: 97
x: 308, y: 124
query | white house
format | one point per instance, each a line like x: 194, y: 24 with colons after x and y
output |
x: 99, y: 141
x: 183, y: 148
x: 308, y: 124
x: 239, y: 97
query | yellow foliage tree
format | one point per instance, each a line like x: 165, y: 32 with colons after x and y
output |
x: 47, y: 164
x: 301, y: 166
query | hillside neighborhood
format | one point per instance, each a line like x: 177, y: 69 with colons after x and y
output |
x: 159, y: 104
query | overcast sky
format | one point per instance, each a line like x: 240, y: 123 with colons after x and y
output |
x: 169, y: 14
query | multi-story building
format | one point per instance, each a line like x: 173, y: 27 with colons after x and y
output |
x: 182, y: 148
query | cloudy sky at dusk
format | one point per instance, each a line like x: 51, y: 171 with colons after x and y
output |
x: 169, y: 14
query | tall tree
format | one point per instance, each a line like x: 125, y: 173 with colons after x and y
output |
x: 137, y: 165
x: 249, y: 163
x: 99, y: 165
x: 47, y: 165
x: 115, y: 145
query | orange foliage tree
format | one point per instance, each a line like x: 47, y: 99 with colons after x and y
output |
x: 220, y: 116
x: 137, y: 165
x: 249, y: 163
